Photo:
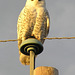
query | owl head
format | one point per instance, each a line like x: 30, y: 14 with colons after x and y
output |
x: 35, y: 3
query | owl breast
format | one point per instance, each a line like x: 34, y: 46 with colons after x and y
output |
x: 29, y: 21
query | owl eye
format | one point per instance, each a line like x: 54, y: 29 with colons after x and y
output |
x: 39, y: 0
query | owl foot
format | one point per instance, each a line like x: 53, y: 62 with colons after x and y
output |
x: 36, y: 37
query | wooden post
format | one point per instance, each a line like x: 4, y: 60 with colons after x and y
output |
x: 43, y: 70
x: 34, y: 47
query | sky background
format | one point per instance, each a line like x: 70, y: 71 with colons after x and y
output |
x: 57, y: 53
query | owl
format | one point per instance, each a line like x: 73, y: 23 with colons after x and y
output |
x: 33, y: 21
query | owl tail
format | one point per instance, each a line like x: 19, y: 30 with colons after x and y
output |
x: 24, y: 59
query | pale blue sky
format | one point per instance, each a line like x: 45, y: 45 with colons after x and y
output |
x: 57, y: 53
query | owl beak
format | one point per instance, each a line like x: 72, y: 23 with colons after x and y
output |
x: 39, y: 0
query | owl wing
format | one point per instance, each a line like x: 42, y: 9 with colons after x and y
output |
x: 19, y: 26
x: 20, y: 22
x: 48, y: 23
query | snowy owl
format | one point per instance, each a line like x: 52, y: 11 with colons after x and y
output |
x: 33, y: 21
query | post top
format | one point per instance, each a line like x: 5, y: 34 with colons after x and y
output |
x: 31, y: 42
